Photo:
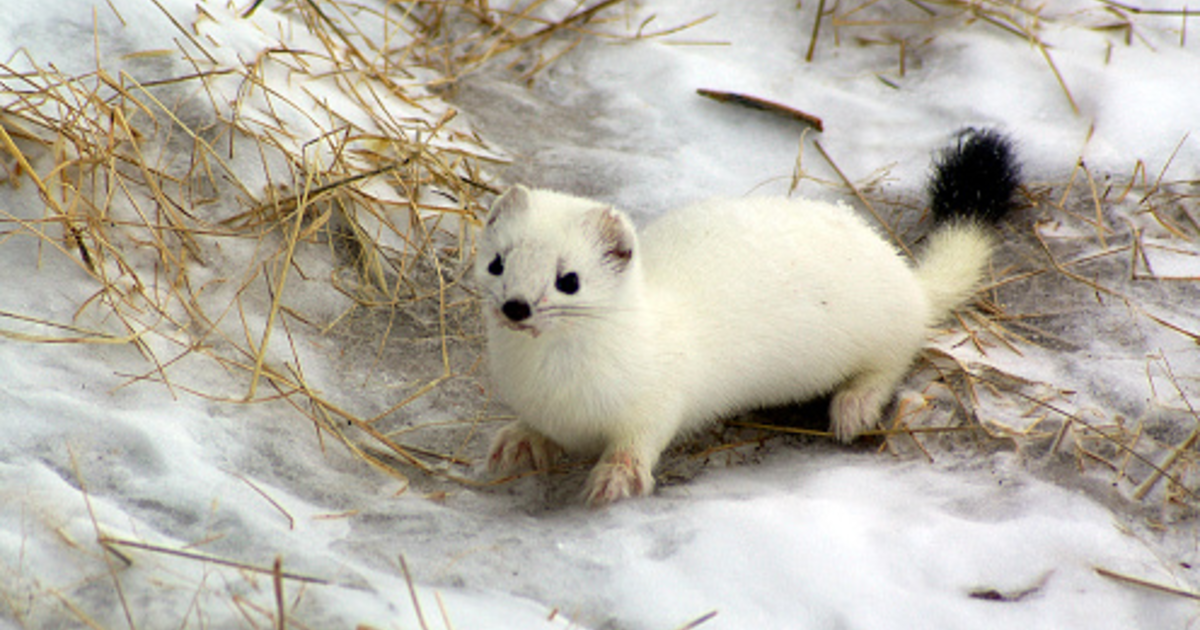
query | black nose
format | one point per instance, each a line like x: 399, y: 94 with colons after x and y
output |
x: 516, y: 310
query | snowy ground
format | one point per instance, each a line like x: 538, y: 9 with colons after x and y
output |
x: 771, y: 532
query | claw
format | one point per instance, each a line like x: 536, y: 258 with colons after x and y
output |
x: 619, y: 475
x: 517, y: 448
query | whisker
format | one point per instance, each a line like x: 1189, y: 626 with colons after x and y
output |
x: 576, y: 311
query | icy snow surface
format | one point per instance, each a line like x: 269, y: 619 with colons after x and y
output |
x: 805, y: 535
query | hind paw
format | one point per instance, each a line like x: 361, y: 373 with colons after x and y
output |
x: 855, y: 411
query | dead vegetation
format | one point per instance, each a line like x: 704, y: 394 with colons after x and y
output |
x: 255, y: 172
x: 1119, y: 250
x: 199, y: 204
x: 143, y: 182
x: 229, y: 211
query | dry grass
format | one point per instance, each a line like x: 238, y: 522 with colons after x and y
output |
x: 210, y: 208
x: 1081, y: 263
x: 131, y: 173
x: 143, y: 182
x: 1093, y: 262
x: 143, y: 187
x: 138, y: 188
x: 1096, y: 243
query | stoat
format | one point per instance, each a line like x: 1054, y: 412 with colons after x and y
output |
x: 613, y: 343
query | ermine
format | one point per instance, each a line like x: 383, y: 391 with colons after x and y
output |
x: 609, y: 342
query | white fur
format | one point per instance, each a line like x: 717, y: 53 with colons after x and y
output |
x: 723, y: 306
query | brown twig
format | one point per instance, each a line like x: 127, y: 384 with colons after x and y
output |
x: 762, y: 104
x: 699, y: 621
x: 277, y: 580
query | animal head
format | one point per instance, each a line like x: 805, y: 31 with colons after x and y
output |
x: 546, y: 260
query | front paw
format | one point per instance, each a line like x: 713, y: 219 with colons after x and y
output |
x: 517, y: 448
x: 619, y: 475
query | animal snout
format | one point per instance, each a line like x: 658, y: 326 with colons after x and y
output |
x: 516, y: 310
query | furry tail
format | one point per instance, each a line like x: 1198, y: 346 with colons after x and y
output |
x: 974, y: 184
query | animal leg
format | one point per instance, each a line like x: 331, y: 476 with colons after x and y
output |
x: 517, y: 447
x: 626, y: 468
x: 622, y: 473
x: 857, y: 406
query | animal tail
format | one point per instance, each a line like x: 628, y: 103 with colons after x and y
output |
x: 974, y: 185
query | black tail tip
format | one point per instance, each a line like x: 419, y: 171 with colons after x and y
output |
x: 975, y: 179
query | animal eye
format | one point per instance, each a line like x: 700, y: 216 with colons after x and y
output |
x: 496, y: 267
x: 568, y: 283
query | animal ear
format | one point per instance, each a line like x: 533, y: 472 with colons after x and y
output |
x: 514, y: 201
x: 615, y: 235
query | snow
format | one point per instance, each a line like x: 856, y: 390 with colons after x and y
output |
x: 915, y: 556
x: 788, y: 534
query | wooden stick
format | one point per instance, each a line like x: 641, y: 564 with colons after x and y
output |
x: 277, y: 578
x: 762, y: 104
